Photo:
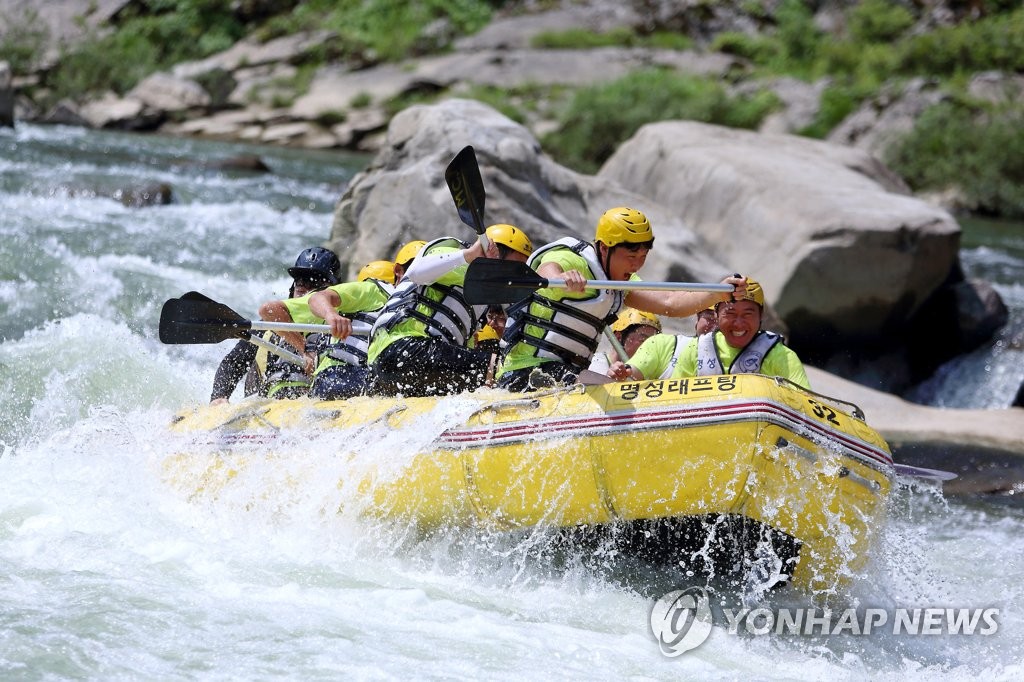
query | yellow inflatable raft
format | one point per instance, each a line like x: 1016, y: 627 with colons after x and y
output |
x: 791, y: 467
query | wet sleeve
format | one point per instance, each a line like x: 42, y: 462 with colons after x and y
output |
x: 232, y: 369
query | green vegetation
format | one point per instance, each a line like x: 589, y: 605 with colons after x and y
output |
x: 599, y: 118
x: 955, y: 145
x: 157, y: 34
x: 175, y: 31
x: 361, y: 101
x: 23, y: 40
x: 381, y: 30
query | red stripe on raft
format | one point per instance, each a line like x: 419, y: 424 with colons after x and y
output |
x: 687, y: 417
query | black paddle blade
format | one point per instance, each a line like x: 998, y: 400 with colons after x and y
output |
x: 195, y: 318
x: 467, y: 188
x: 490, y: 280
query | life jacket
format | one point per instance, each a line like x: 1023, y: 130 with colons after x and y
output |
x: 677, y: 353
x: 747, y: 362
x: 351, y: 350
x: 441, y: 308
x: 276, y: 372
x: 573, y: 332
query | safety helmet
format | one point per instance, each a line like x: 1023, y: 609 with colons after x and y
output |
x: 408, y: 252
x: 317, y: 263
x: 623, y: 225
x: 754, y: 293
x: 384, y: 270
x: 631, y: 316
x: 486, y: 333
x: 510, y: 236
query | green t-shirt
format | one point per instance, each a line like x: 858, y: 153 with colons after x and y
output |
x: 411, y: 326
x: 655, y: 354
x: 524, y: 355
x: 356, y: 297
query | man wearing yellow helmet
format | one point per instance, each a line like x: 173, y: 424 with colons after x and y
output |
x: 419, y: 344
x: 631, y: 328
x: 707, y: 321
x: 739, y: 346
x: 557, y: 330
x: 405, y: 257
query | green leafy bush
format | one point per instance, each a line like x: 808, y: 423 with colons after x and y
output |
x: 981, y: 153
x: 143, y: 43
x: 380, y: 30
x: 878, y: 21
x: 23, y: 40
x: 995, y: 42
x: 601, y: 117
x: 836, y: 103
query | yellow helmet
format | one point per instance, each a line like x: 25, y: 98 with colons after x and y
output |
x: 384, y: 270
x: 631, y: 316
x: 754, y: 292
x: 408, y: 252
x: 510, y: 236
x: 486, y: 333
x: 623, y: 225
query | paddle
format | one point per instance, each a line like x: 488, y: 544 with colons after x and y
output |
x: 489, y: 280
x: 291, y: 357
x: 610, y: 335
x: 926, y: 474
x: 195, y: 318
x: 467, y: 189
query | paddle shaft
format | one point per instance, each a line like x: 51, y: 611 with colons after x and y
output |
x: 920, y: 472
x: 616, y: 344
x: 358, y: 328
x: 639, y: 285
x: 291, y: 357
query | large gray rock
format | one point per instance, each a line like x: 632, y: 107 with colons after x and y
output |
x: 882, y: 120
x: 167, y: 93
x: 402, y: 195
x: 843, y: 254
x: 121, y: 113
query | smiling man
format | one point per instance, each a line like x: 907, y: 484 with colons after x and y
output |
x: 739, y: 346
x: 555, y: 331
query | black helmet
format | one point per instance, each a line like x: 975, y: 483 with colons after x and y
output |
x: 317, y: 263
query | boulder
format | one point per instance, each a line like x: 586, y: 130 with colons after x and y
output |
x: 111, y: 111
x: 164, y: 92
x: 250, y: 52
x: 845, y: 255
x: 154, y: 194
x: 402, y: 194
x: 65, y: 112
x: 884, y: 118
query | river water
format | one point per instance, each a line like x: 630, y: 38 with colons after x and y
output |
x: 108, y: 572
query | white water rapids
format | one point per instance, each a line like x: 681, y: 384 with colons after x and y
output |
x: 109, y: 572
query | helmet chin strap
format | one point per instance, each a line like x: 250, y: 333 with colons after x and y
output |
x: 607, y: 262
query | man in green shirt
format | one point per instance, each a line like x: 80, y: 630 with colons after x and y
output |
x: 739, y: 346
x: 420, y: 342
x: 555, y: 331
x: 342, y: 371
